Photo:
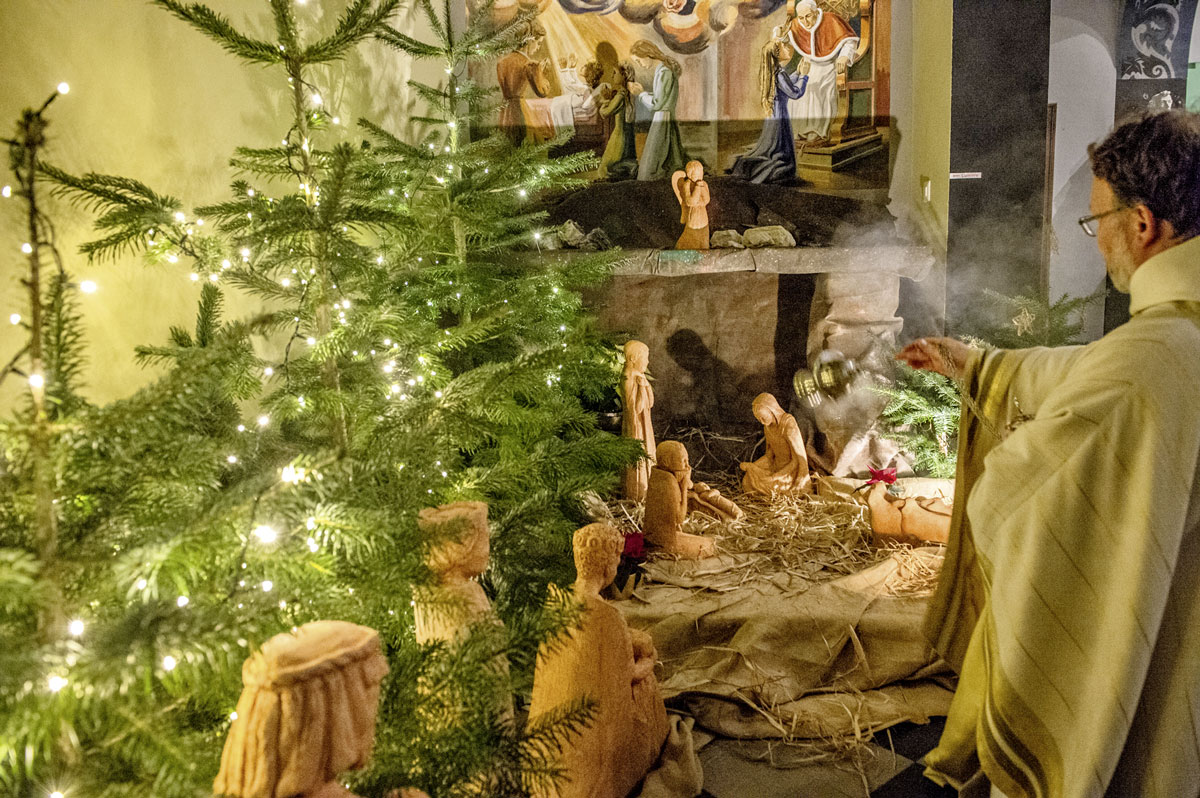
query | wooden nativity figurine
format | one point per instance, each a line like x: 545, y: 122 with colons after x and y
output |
x: 306, y: 713
x: 707, y: 500
x: 667, y: 505
x: 915, y: 520
x: 784, y: 466
x: 458, y: 555
x: 691, y: 190
x: 637, y: 398
x: 610, y: 664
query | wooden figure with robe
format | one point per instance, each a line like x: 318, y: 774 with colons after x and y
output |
x: 784, y: 465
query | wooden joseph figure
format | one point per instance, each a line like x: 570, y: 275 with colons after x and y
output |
x: 784, y: 466
x: 306, y: 714
x: 637, y: 398
x: 613, y: 666
x: 667, y: 505
x: 455, y: 601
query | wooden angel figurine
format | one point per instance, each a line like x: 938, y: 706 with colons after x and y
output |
x: 784, y: 466
x: 667, y: 505
x: 612, y: 665
x: 914, y: 520
x: 691, y: 190
x: 637, y: 398
x: 306, y: 714
x: 459, y: 554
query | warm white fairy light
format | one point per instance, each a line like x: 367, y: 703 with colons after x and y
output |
x: 241, y: 427
x: 56, y: 682
x: 212, y: 278
x: 37, y: 381
x: 522, y: 192
x: 292, y: 475
x: 88, y: 286
x: 27, y: 248
x: 195, y: 277
x: 265, y: 534
x: 173, y: 258
x: 285, y: 282
x: 169, y: 663
x: 311, y: 524
x: 56, y: 794
x: 245, y: 252
x: 267, y: 585
x: 268, y: 371
x: 264, y: 421
x: 312, y: 545
x: 316, y: 98
x: 233, y: 715
x: 6, y: 191
x: 14, y: 318
x: 182, y: 601
x: 64, y: 87
x: 231, y: 459
x: 75, y: 628
x: 141, y: 584
x: 310, y: 340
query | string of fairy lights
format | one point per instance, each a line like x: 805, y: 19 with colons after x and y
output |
x: 402, y: 384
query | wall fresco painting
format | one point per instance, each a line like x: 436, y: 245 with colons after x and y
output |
x: 759, y: 89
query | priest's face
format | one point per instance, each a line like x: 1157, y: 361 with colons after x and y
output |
x: 807, y: 16
x: 1113, y: 235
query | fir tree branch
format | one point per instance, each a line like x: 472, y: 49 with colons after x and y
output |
x: 218, y: 28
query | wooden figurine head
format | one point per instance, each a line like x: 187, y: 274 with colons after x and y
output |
x: 672, y: 456
x: 637, y: 356
x: 306, y: 714
x: 766, y: 409
x: 695, y: 171
x: 462, y: 547
x: 597, y: 554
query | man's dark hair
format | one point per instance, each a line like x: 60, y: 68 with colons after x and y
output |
x: 1154, y: 160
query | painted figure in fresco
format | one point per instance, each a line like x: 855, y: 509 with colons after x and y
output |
x: 773, y: 158
x: 691, y: 190
x: 520, y: 76
x: 827, y: 44
x: 619, y: 160
x: 662, y: 153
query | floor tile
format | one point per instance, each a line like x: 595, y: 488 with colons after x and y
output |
x: 911, y: 783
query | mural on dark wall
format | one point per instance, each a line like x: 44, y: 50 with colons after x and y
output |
x: 1152, y: 55
x: 762, y: 88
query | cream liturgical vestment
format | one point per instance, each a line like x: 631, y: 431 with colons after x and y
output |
x: 1070, y: 596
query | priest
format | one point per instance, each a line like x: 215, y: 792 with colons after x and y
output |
x: 826, y: 44
x: 1069, y: 601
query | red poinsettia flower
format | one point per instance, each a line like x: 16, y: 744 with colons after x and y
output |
x: 635, y: 546
x: 884, y: 475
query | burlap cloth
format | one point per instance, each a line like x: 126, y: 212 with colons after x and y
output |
x: 781, y: 656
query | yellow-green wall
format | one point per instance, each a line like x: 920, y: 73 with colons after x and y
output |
x: 153, y: 99
x: 932, y: 34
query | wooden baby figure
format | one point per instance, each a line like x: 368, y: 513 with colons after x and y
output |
x: 707, y: 500
x: 667, y: 505
x: 612, y: 665
x: 691, y: 190
x: 784, y: 466
x: 637, y: 398
x: 306, y: 714
x: 915, y: 520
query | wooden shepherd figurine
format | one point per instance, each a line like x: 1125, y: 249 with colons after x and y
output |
x: 667, y: 505
x: 691, y: 190
x: 460, y: 553
x: 306, y: 714
x: 637, y: 398
x: 612, y: 665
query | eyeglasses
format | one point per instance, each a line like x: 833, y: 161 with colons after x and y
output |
x: 1088, y: 223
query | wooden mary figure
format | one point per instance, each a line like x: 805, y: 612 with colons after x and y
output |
x: 784, y: 466
x: 306, y: 714
x: 637, y: 398
x: 667, y: 505
x: 691, y: 191
x: 613, y: 666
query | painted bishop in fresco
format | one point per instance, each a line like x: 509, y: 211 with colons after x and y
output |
x: 828, y: 44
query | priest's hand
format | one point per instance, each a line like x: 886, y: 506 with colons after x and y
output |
x: 945, y: 356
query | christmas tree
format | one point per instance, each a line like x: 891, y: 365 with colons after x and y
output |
x: 421, y: 355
